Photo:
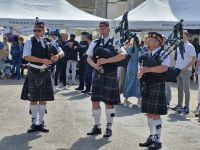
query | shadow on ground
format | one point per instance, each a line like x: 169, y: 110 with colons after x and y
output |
x: 75, y: 95
x: 122, y: 111
x: 11, y: 82
x: 18, y: 142
x: 88, y: 143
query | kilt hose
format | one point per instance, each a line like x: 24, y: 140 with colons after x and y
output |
x: 154, y: 99
x: 105, y: 88
x: 38, y: 86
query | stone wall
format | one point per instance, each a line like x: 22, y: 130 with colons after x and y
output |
x: 98, y: 7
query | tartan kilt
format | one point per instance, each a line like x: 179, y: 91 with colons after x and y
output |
x: 38, y: 87
x: 105, y: 88
x: 154, y: 99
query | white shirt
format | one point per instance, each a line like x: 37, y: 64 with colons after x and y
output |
x: 116, y: 44
x: 198, y: 70
x: 166, y: 61
x: 189, y: 53
x: 28, y: 47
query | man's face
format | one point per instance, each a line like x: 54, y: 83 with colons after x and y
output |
x: 152, y: 43
x: 104, y: 31
x: 83, y: 38
x: 38, y: 32
x: 64, y: 37
x: 185, y: 37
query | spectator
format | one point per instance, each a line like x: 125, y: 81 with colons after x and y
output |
x: 16, y: 54
x: 132, y: 84
x: 183, y: 80
x: 196, y: 45
x: 72, y: 58
x: 6, y: 48
x: 1, y: 49
x: 24, y: 62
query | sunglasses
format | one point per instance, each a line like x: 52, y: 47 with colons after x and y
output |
x: 37, y: 30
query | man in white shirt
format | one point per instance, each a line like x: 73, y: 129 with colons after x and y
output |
x: 104, y: 80
x: 183, y: 80
x: 37, y: 87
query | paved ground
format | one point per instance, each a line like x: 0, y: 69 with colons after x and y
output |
x: 69, y: 118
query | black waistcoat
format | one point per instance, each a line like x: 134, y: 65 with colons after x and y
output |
x: 109, y: 45
x: 38, y: 51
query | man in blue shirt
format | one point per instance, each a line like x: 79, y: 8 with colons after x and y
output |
x: 1, y: 49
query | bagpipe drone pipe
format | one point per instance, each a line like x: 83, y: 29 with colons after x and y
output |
x: 125, y: 36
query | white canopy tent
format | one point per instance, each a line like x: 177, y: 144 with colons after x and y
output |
x: 55, y: 14
x: 164, y: 14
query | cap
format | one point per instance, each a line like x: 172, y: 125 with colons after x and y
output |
x: 156, y: 36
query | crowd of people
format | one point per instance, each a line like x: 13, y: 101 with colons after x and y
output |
x: 98, y: 79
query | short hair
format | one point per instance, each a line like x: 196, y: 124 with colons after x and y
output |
x: 104, y: 24
x: 89, y: 37
x: 72, y: 36
x: 16, y: 39
x: 21, y: 39
x: 186, y: 33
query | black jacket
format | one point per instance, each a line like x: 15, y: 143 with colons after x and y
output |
x: 72, y: 52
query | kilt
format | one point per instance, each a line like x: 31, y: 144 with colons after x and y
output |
x: 105, y: 88
x: 154, y: 99
x: 37, y: 86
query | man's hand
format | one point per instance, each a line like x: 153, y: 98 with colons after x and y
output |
x: 102, y: 61
x: 141, y: 71
x: 97, y: 67
x: 70, y: 44
x: 54, y: 58
x: 47, y: 61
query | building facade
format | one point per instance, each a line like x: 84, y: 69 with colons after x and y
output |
x: 106, y: 8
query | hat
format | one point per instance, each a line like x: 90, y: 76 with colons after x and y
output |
x: 104, y: 24
x: 53, y: 32
x: 156, y: 36
x: 38, y: 24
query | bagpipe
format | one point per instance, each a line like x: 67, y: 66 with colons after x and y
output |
x: 125, y: 36
x: 174, y: 41
x: 52, y: 49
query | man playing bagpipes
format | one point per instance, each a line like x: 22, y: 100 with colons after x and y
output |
x: 38, y: 86
x: 153, y: 93
x: 104, y: 81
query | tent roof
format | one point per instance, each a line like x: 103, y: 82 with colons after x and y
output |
x: 55, y: 13
x: 164, y: 14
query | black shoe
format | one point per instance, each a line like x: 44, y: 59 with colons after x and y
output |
x: 156, y: 145
x: 178, y: 108
x: 42, y: 128
x: 84, y: 91
x: 95, y: 131
x: 79, y: 89
x: 197, y: 115
x: 108, y: 133
x: 89, y: 93
x: 148, y: 142
x: 186, y: 110
x: 32, y: 128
